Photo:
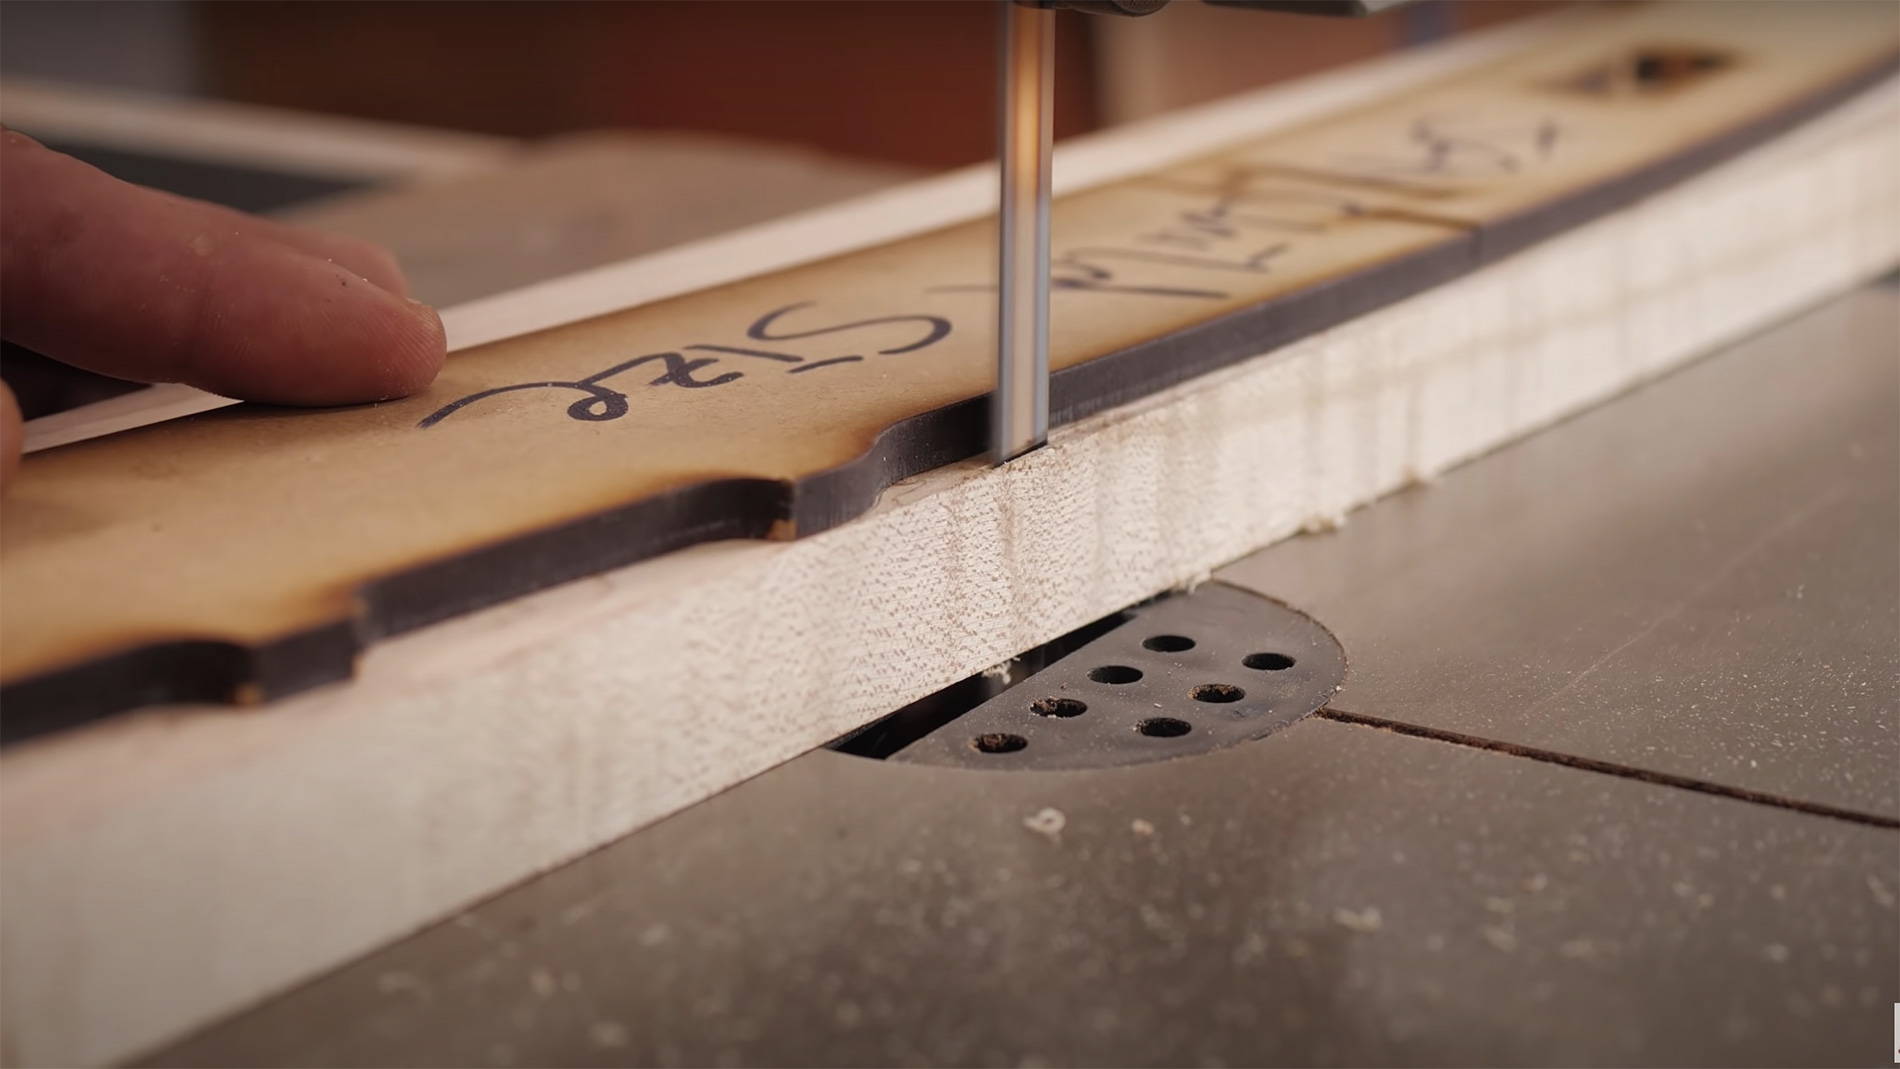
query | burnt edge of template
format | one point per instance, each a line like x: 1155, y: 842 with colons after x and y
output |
x: 221, y: 671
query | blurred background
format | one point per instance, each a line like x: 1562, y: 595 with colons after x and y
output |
x: 899, y: 81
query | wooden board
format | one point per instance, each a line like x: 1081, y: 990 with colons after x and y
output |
x: 249, y: 553
x: 160, y: 869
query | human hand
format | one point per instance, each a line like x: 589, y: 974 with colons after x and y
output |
x: 130, y: 282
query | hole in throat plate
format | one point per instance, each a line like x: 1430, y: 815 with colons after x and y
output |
x: 998, y: 742
x: 1163, y: 679
x: 1058, y: 707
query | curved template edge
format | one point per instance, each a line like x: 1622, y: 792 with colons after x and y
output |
x: 210, y: 670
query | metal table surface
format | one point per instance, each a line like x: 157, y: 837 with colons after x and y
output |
x: 1612, y: 780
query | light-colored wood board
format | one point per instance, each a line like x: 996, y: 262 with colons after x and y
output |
x: 165, y: 868
x: 296, y: 534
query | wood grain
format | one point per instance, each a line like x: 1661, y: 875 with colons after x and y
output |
x: 248, y: 553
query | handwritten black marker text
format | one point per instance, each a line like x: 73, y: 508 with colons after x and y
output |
x: 603, y: 402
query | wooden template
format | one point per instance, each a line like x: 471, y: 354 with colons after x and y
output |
x: 164, y: 868
x: 249, y: 553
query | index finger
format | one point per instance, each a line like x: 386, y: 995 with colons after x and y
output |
x: 121, y: 280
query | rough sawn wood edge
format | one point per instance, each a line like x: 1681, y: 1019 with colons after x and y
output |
x: 216, y: 670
